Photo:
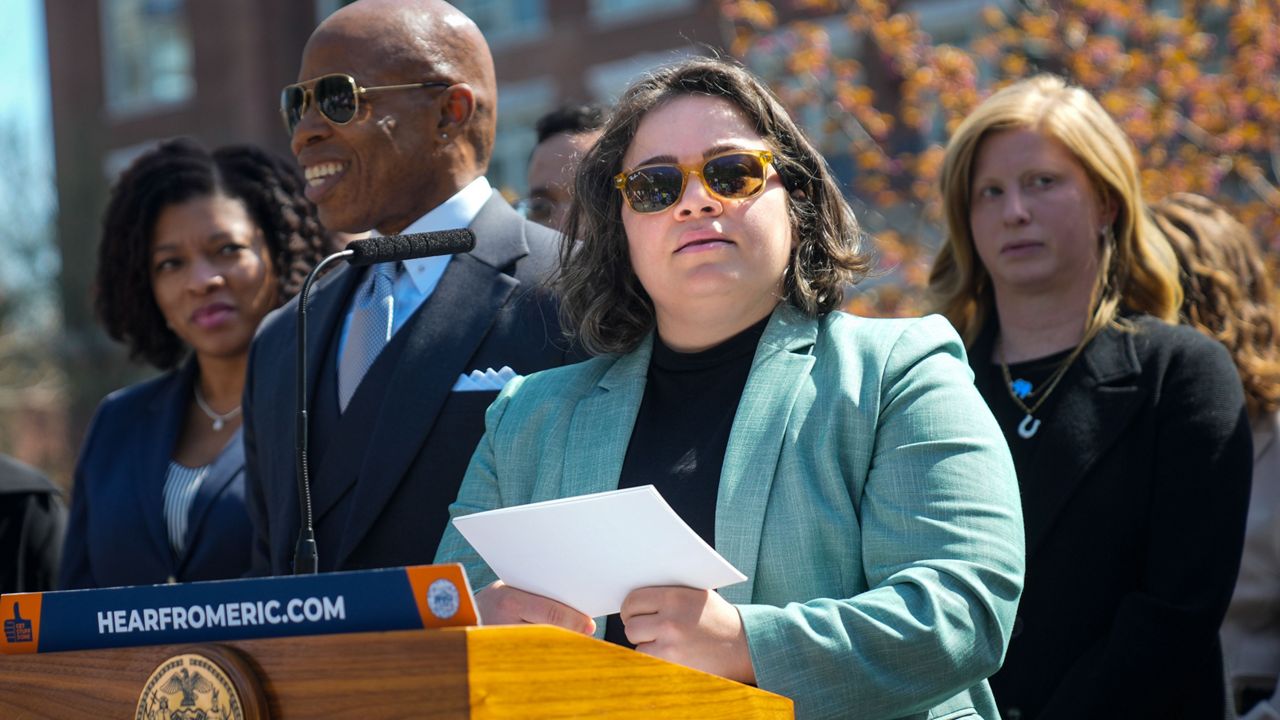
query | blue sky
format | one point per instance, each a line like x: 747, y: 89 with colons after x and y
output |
x: 24, y: 100
x: 28, y: 186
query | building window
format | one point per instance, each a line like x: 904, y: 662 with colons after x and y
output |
x: 519, y: 107
x: 607, y: 81
x: 616, y: 12
x: 147, y: 55
x: 507, y: 22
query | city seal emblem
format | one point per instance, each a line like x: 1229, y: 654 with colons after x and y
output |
x: 191, y: 686
x: 443, y: 598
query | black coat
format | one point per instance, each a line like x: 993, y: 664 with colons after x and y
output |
x: 384, y: 471
x: 1134, y: 505
x: 32, y: 518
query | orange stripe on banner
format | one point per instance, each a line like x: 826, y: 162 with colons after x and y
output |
x: 443, y: 595
x: 20, y: 613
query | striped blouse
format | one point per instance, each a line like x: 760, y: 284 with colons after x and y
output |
x: 181, y: 484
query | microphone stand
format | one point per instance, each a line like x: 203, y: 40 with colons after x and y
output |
x: 306, y: 559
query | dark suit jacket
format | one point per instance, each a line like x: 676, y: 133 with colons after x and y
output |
x: 382, y: 486
x: 1134, y: 505
x: 32, y: 521
x: 117, y: 534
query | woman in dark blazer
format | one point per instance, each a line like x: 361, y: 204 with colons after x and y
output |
x: 1128, y: 433
x: 196, y: 249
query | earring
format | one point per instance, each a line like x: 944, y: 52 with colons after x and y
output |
x: 1107, y: 235
x: 444, y: 136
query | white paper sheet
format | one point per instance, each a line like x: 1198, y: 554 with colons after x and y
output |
x: 590, y: 551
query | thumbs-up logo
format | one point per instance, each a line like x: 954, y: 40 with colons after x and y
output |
x: 17, y: 629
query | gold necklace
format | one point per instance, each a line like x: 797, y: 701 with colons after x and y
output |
x: 1030, y: 424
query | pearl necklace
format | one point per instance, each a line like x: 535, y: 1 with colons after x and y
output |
x: 219, y: 421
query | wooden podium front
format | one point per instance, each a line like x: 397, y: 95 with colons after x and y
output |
x: 530, y: 671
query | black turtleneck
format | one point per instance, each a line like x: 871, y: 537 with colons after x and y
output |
x: 682, y: 430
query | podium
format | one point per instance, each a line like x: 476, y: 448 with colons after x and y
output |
x: 529, y: 671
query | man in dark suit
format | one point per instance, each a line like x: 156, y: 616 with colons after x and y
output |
x: 393, y: 122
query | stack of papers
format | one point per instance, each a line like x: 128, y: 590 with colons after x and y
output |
x: 589, y: 552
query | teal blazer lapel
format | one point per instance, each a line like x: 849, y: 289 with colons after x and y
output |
x: 602, y: 424
x: 783, y: 359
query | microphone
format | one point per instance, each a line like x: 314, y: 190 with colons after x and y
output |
x: 359, y: 253
x: 394, y: 248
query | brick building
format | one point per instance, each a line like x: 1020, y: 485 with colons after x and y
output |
x: 125, y: 74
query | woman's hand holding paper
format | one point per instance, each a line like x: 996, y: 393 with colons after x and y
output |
x: 695, y: 628
x: 501, y: 604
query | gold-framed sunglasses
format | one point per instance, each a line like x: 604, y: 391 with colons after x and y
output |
x: 336, y: 96
x: 732, y: 175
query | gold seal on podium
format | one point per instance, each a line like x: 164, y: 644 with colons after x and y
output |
x: 196, y: 685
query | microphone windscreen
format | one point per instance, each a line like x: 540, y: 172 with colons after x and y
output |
x: 393, y: 248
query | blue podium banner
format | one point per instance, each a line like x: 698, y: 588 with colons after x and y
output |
x: 424, y: 596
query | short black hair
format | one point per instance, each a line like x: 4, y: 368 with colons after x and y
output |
x: 172, y: 173
x: 572, y: 118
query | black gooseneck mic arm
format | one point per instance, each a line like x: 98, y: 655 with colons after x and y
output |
x: 306, y: 560
x: 391, y: 248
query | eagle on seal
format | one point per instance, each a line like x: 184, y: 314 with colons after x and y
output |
x: 188, y: 684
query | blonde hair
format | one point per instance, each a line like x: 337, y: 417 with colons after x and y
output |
x: 1230, y: 295
x: 1138, y: 270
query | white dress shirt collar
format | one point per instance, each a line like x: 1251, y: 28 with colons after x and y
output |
x: 456, y: 212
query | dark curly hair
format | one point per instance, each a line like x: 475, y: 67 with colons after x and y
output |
x: 174, y: 172
x: 1228, y: 293
x: 603, y: 303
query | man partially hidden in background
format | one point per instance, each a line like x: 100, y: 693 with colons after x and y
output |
x: 564, y: 137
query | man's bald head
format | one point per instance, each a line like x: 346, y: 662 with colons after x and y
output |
x: 407, y: 149
x: 431, y: 39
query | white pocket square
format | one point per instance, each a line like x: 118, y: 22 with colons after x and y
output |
x: 484, y: 380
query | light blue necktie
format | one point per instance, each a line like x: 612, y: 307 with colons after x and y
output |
x: 371, y: 323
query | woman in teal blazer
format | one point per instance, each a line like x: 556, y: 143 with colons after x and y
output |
x: 846, y: 465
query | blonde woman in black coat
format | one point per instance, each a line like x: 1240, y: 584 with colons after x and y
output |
x: 1128, y: 433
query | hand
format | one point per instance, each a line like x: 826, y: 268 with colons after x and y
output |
x: 501, y: 604
x: 695, y: 628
